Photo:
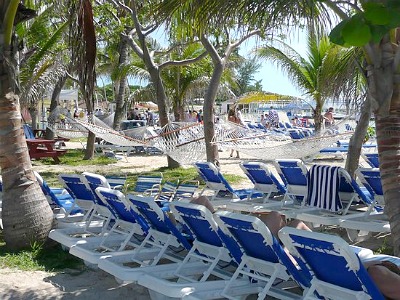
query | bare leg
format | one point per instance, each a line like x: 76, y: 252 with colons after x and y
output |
x: 386, y: 281
x: 203, y: 200
x: 274, y: 221
x: 298, y: 224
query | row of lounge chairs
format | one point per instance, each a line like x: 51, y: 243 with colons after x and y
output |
x: 320, y: 195
x: 201, y: 255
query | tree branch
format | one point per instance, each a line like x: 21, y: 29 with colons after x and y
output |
x: 210, y: 49
x: 111, y: 12
x: 136, y: 48
x: 233, y: 46
x: 336, y: 9
x: 183, y: 62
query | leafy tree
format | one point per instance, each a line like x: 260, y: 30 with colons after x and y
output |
x: 155, y: 59
x: 83, y: 53
x: 245, y: 71
x: 321, y: 75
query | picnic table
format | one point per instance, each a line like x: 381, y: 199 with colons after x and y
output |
x: 39, y: 148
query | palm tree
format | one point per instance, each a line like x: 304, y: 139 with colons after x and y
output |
x: 321, y: 75
x: 27, y: 216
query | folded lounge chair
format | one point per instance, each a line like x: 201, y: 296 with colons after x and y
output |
x: 337, y: 270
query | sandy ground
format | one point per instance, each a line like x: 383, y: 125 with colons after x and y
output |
x: 96, y: 284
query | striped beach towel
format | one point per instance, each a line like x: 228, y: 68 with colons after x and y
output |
x: 323, y: 188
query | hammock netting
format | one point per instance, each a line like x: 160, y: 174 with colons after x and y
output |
x: 184, y: 142
x: 272, y: 145
x: 64, y: 126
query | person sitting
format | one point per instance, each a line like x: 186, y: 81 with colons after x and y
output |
x: 385, y: 275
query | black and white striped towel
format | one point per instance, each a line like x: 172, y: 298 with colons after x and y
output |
x: 323, y: 187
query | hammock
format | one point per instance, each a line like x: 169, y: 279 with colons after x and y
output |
x: 183, y: 142
x: 271, y: 145
x: 65, y: 126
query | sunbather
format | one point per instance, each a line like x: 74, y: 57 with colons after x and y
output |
x: 385, y: 274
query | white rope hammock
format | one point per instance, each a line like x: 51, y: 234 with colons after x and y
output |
x: 183, y: 142
x: 65, y: 126
x: 271, y: 145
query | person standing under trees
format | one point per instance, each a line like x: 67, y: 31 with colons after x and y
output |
x: 150, y: 117
x: 234, y: 118
x: 273, y: 117
x: 328, y: 118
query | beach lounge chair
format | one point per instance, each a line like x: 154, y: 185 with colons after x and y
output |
x: 61, y: 202
x: 371, y: 179
x: 333, y: 195
x: 126, y: 233
x: 293, y: 173
x: 264, y: 259
x: 296, y: 134
x: 263, y: 179
x: 207, y: 259
x: 162, y: 242
x: 165, y: 193
x: 186, y: 190
x: 372, y: 159
x: 217, y: 183
x: 337, y: 270
x: 148, y: 184
x: 96, y: 219
x: 376, y: 220
x: 266, y: 184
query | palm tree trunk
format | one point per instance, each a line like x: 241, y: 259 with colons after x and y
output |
x: 357, y: 139
x: 317, y: 115
x: 388, y: 138
x: 26, y: 214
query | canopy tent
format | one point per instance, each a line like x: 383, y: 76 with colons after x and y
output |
x: 261, y: 97
x: 69, y: 95
x: 148, y: 104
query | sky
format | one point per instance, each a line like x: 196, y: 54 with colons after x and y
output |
x: 272, y: 78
